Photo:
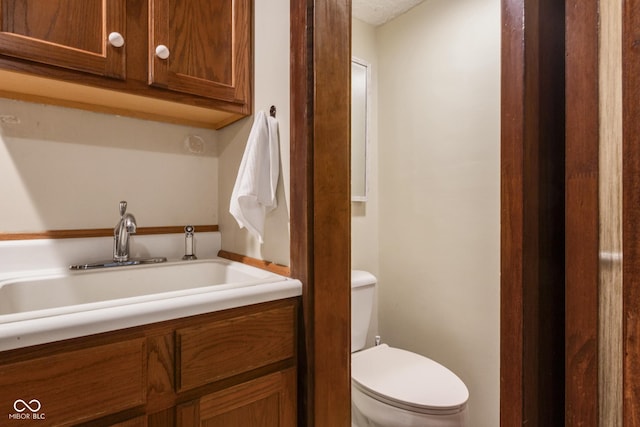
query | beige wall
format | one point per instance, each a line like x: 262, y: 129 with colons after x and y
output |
x: 271, y: 88
x: 68, y: 169
x: 364, y: 215
x: 438, y: 171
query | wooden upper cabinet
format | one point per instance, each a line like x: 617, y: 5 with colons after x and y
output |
x: 71, y: 34
x: 208, y: 47
x: 59, y: 52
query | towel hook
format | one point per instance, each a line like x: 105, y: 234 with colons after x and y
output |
x: 272, y: 111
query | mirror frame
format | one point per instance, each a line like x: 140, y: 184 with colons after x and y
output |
x: 356, y: 150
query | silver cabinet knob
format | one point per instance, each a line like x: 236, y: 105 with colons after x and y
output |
x: 116, y: 39
x: 162, y: 51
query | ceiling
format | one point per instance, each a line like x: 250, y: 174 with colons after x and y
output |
x: 377, y: 12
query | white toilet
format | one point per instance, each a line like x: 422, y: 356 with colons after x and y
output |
x: 391, y: 387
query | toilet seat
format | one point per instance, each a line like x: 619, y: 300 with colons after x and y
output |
x: 407, y: 380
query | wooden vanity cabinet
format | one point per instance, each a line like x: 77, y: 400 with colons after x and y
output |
x: 230, y: 368
x: 181, y: 61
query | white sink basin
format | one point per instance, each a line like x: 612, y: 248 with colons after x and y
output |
x: 167, y: 280
x: 66, y: 304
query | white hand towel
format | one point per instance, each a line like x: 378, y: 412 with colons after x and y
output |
x: 254, y: 193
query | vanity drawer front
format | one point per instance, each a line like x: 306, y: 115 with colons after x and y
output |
x: 235, y: 345
x: 75, y: 386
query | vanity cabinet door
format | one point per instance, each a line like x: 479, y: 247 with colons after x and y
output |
x: 135, y: 422
x: 202, y: 47
x: 71, y: 34
x: 268, y: 401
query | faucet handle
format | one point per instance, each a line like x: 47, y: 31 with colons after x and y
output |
x: 123, y: 208
x: 189, y: 243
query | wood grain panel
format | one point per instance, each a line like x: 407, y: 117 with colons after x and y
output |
x: 41, y: 33
x: 511, y: 215
x: 582, y: 217
x: 161, y: 373
x: 79, y: 385
x: 136, y: 422
x: 210, y: 45
x: 266, y: 401
x: 283, y: 270
x: 166, y: 418
x: 631, y: 210
x: 195, y: 42
x: 260, y: 412
x: 229, y: 347
x: 187, y: 414
x: 610, y: 342
x: 49, y: 21
x: 101, y: 232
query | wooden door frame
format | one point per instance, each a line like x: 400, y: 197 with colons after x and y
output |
x: 631, y: 212
x: 321, y: 205
x: 524, y: 395
x: 532, y: 213
x: 582, y: 212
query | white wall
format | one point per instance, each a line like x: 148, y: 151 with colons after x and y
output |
x: 438, y: 176
x: 68, y: 169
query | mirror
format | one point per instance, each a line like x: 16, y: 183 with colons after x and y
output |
x: 360, y: 75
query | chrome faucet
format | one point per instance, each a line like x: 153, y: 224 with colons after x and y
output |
x: 125, y: 227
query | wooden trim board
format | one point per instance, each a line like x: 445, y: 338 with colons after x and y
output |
x: 100, y: 232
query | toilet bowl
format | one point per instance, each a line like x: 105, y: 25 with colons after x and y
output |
x: 392, y: 387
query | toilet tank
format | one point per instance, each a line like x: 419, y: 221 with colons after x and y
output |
x: 362, y: 292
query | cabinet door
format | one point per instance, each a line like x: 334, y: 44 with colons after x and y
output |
x: 135, y: 422
x: 66, y: 33
x: 267, y: 401
x: 208, y: 47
